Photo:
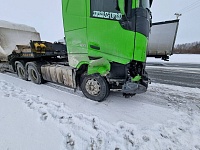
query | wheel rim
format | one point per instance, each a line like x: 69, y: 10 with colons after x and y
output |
x: 93, y: 87
x: 33, y: 73
x: 21, y: 71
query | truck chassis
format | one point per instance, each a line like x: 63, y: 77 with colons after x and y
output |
x: 42, y: 61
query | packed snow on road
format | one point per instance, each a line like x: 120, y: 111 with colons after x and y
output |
x: 53, y: 117
x: 178, y: 58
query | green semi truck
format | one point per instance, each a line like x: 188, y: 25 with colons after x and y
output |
x: 107, y: 42
x: 106, y: 49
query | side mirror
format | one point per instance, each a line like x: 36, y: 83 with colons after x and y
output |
x: 120, y: 6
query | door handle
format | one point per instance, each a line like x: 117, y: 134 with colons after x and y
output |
x: 95, y: 47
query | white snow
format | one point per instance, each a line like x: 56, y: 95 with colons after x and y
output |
x: 178, y: 58
x: 42, y: 117
x: 21, y: 128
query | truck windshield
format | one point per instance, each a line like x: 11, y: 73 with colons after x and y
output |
x: 145, y: 3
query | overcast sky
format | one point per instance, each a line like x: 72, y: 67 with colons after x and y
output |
x: 46, y: 16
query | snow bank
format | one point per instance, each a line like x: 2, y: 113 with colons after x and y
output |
x: 171, y: 117
x: 178, y: 58
x: 20, y: 128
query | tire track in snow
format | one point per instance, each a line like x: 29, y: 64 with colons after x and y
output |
x: 90, y: 132
x: 177, y: 99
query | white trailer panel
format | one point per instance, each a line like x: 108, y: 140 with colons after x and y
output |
x: 162, y: 38
x: 12, y: 34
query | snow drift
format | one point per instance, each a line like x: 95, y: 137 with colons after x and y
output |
x: 41, y: 117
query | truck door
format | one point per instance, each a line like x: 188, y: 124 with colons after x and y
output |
x: 105, y: 34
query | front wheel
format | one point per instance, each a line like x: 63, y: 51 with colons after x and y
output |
x: 95, y: 87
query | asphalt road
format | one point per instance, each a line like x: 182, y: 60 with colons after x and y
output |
x: 187, y: 75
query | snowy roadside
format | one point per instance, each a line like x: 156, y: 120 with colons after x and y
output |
x: 21, y: 128
x: 166, y: 117
x: 178, y: 58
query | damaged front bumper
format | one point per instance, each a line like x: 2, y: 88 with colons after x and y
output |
x: 134, y: 87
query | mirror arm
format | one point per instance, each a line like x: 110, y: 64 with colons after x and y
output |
x: 121, y: 6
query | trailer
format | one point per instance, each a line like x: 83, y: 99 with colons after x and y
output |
x: 12, y: 34
x: 162, y: 39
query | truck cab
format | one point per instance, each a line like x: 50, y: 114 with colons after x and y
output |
x: 109, y: 38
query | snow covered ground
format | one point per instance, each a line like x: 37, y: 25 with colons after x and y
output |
x: 44, y: 118
x: 178, y: 58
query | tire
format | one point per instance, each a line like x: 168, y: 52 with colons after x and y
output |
x: 95, y: 87
x: 21, y: 71
x: 145, y: 80
x: 34, y: 73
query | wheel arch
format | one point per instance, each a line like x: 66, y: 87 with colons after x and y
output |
x: 80, y: 72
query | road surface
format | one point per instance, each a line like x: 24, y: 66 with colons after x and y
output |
x: 187, y: 75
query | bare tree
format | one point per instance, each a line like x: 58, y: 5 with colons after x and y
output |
x: 187, y: 48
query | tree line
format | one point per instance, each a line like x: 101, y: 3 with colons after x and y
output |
x: 187, y: 48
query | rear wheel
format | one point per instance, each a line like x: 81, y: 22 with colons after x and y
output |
x: 21, y: 71
x: 34, y: 73
x: 95, y: 87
